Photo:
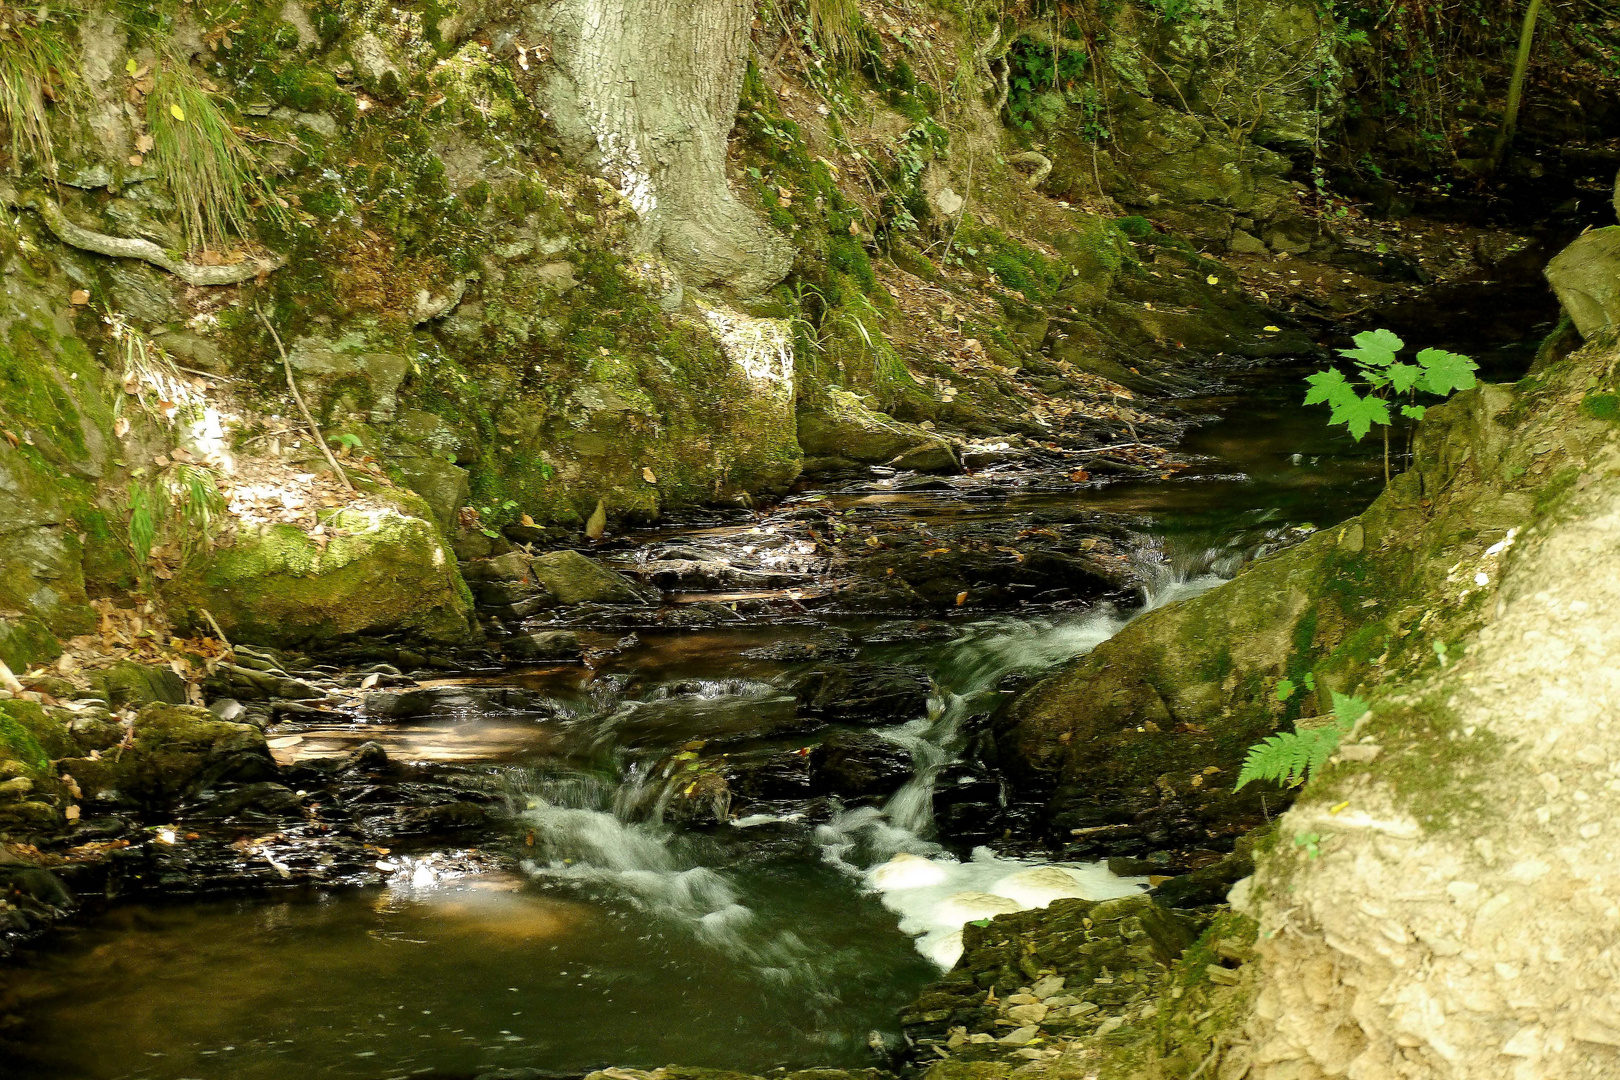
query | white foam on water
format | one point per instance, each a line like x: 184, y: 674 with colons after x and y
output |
x: 935, y: 897
x: 933, y: 893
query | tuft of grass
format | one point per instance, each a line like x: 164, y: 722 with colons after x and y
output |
x: 832, y: 23
x: 211, y: 172
x: 35, y: 67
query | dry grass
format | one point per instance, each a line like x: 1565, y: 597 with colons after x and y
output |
x: 212, y: 174
x: 36, y: 67
x: 833, y: 24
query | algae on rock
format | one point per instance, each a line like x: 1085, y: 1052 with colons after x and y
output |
x: 380, y: 572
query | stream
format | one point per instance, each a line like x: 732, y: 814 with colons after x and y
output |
x: 598, y: 926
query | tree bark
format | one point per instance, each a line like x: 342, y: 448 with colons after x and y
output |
x: 645, y: 92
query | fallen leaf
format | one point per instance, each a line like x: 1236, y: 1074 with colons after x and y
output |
x: 80, y: 297
x: 1079, y: 476
x: 1213, y: 280
x: 961, y: 598
x: 1272, y: 329
x: 144, y: 144
x: 526, y: 521
x: 71, y: 813
x: 136, y: 160
x: 369, y: 681
x: 647, y: 475
x: 597, y: 525
x: 177, y: 112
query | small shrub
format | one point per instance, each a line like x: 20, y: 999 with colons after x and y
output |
x: 1386, y: 380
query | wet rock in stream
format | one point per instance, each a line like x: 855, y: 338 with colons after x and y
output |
x: 1075, y: 967
x: 857, y: 766
x: 865, y: 693
x: 454, y: 701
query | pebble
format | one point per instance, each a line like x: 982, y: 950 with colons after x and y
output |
x: 1022, y: 999
x: 1112, y: 1024
x: 1048, y: 986
x: 1027, y: 1014
x: 1020, y: 1036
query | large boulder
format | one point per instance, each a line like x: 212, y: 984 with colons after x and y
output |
x: 1586, y: 277
x: 1431, y: 895
x: 379, y: 571
x: 1137, y: 746
x: 173, y: 752
x: 859, y: 765
x: 841, y: 428
x: 131, y: 683
x: 574, y: 579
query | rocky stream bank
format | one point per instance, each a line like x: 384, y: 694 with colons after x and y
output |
x: 782, y: 568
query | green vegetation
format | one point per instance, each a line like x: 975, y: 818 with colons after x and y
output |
x: 35, y: 67
x: 1292, y: 757
x: 1387, y: 380
x: 211, y: 173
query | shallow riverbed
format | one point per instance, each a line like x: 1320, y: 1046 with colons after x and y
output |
x: 591, y: 929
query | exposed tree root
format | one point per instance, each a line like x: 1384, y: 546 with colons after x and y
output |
x: 120, y: 248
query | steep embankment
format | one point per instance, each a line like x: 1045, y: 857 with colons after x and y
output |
x: 532, y: 264
x: 1438, y: 903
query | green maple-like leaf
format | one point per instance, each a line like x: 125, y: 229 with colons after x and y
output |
x: 1359, y: 414
x: 1445, y: 371
x: 1404, y: 376
x: 1374, y: 348
x: 1413, y: 412
x: 1328, y: 386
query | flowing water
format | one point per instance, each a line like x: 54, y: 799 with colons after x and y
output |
x: 613, y: 934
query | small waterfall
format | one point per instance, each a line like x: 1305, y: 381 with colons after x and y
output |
x: 890, y: 848
x: 606, y: 831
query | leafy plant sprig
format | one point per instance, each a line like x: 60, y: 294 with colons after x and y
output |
x: 1386, y: 380
x: 1292, y: 757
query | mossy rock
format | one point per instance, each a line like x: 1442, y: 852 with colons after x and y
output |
x: 843, y: 426
x: 25, y: 640
x: 574, y: 579
x: 381, y: 572
x: 130, y: 683
x: 176, y: 751
x: 49, y: 733
x: 18, y: 742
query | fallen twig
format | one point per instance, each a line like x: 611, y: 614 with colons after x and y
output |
x: 292, y: 384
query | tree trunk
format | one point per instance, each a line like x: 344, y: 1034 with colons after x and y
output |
x: 1521, y: 65
x: 645, y: 92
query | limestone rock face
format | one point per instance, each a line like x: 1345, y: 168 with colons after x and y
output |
x: 1457, y: 922
x: 1586, y: 277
